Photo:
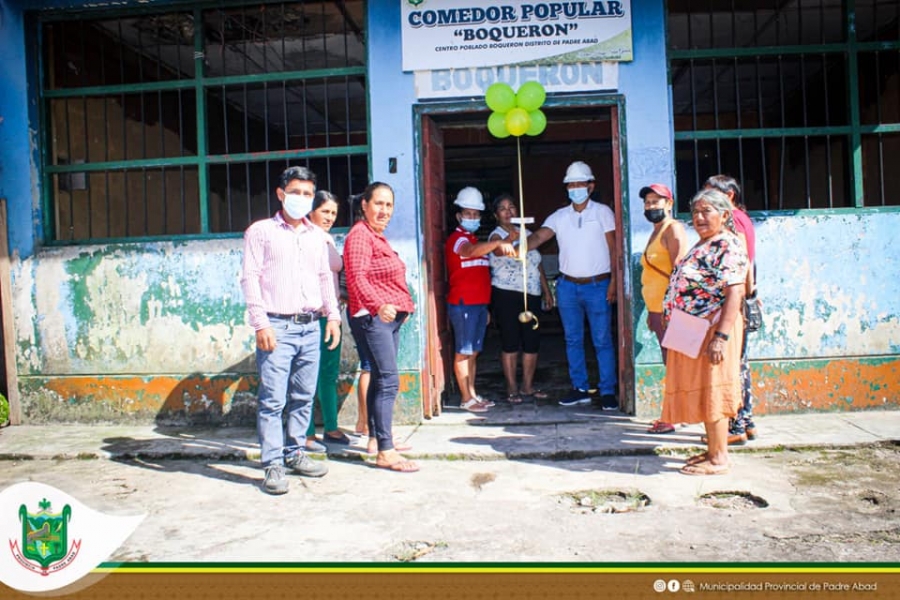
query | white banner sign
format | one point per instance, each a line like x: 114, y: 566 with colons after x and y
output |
x: 449, y: 34
x: 474, y: 81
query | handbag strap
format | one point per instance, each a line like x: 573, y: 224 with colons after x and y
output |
x: 655, y: 268
x: 658, y: 235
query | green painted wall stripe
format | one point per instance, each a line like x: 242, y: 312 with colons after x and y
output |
x: 282, y: 76
x: 856, y: 170
x: 144, y: 163
x: 126, y: 88
x: 182, y: 84
x: 754, y: 51
x: 281, y: 155
x: 762, y: 132
x: 728, y: 53
x: 200, y: 103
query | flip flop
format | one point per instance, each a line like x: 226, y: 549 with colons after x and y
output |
x: 539, y: 394
x: 704, y: 468
x: 400, y: 466
x: 485, y: 401
x: 660, y: 427
x: 473, y: 405
x: 514, y: 399
x: 699, y: 458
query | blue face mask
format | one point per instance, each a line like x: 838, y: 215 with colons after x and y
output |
x: 297, y: 206
x: 470, y: 225
x: 578, y: 195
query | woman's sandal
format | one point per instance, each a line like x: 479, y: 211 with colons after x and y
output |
x: 699, y: 458
x: 485, y: 401
x: 400, y: 466
x: 473, y: 405
x: 514, y: 398
x: 539, y: 394
x: 660, y: 427
x: 704, y: 468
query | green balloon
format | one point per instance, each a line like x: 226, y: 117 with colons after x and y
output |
x: 538, y: 123
x: 497, y: 125
x: 517, y: 121
x: 500, y: 97
x: 531, y: 96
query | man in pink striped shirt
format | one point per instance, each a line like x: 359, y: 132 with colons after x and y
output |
x: 287, y: 285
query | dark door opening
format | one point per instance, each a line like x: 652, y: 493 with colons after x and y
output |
x: 471, y: 156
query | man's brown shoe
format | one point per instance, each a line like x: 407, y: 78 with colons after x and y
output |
x: 734, y: 439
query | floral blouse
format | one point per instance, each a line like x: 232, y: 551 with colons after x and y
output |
x: 506, y: 272
x: 697, y: 285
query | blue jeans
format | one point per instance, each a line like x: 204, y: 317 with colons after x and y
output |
x: 365, y: 363
x: 381, y: 342
x: 469, y: 322
x: 576, y: 301
x: 287, y: 383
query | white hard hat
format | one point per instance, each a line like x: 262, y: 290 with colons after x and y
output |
x: 469, y: 197
x: 578, y: 171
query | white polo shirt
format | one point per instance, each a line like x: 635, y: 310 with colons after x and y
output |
x: 581, y: 237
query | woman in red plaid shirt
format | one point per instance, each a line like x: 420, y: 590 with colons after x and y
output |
x: 380, y: 303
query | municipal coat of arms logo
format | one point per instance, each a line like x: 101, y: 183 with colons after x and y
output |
x: 45, y: 539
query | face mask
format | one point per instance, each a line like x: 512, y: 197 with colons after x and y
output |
x: 470, y: 225
x: 578, y: 195
x: 297, y: 206
x: 655, y: 215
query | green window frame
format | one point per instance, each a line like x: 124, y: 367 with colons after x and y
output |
x: 155, y: 128
x: 798, y: 100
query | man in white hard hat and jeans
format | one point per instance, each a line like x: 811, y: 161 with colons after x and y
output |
x: 469, y: 275
x: 586, y: 287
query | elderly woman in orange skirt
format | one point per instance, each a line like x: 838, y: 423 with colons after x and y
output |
x: 708, y: 283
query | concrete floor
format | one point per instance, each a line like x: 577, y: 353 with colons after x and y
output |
x: 525, y: 485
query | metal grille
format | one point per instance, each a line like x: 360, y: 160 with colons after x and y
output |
x: 789, y: 98
x: 178, y: 123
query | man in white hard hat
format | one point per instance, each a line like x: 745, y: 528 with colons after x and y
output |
x: 586, y: 287
x: 469, y: 274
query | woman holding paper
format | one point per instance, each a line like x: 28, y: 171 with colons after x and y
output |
x: 703, y: 333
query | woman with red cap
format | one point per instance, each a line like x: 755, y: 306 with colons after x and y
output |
x: 666, y: 246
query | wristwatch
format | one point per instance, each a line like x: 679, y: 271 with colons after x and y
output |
x: 721, y: 336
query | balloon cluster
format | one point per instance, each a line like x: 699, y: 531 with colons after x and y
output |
x: 516, y: 113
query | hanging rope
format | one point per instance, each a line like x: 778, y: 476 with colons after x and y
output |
x: 526, y: 315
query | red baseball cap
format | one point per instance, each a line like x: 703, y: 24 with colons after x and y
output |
x: 658, y: 189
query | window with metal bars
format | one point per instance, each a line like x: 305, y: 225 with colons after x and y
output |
x: 798, y: 99
x: 178, y: 122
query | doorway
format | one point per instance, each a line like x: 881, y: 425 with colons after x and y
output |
x: 457, y: 150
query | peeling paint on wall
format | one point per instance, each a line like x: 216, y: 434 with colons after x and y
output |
x: 142, y: 308
x: 149, y: 329
x: 227, y: 398
x: 790, y: 386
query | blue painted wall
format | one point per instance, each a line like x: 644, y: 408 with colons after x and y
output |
x: 391, y: 96
x: 18, y: 182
